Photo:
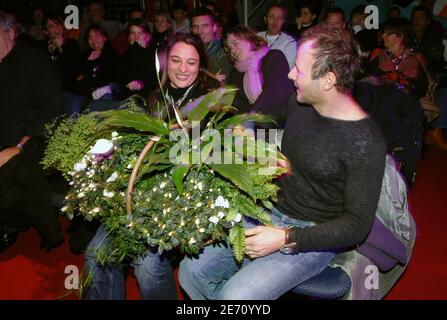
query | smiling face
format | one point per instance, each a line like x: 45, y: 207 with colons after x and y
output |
x: 96, y: 40
x: 307, y: 89
x: 137, y: 34
x: 240, y: 48
x: 205, y: 28
x: 54, y: 29
x: 183, y: 65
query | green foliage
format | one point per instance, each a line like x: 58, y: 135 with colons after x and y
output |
x: 176, y: 202
x: 69, y: 140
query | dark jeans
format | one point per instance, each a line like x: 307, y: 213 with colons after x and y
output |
x: 153, y: 272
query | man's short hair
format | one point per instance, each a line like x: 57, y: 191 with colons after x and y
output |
x: 336, y: 10
x: 423, y: 9
x: 337, y: 52
x: 203, y: 12
x: 312, y: 7
x: 180, y: 5
x: 276, y: 5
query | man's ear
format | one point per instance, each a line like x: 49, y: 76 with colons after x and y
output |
x: 328, y: 81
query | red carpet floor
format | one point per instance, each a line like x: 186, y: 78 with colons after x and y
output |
x: 27, y: 272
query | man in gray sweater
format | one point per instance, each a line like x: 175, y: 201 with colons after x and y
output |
x: 336, y: 156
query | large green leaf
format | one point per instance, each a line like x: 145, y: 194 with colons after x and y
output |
x: 216, y: 98
x: 242, y: 118
x: 237, y: 174
x: 178, y: 175
x: 259, y: 148
x: 138, y: 121
x: 237, y: 240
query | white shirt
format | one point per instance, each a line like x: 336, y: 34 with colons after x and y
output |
x: 283, y: 42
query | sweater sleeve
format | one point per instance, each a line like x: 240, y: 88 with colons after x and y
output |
x: 364, y: 168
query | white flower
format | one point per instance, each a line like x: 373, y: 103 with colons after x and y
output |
x: 221, y: 202
x: 182, y: 223
x: 80, y: 166
x: 102, y: 146
x: 92, y: 186
x: 162, y: 185
x: 200, y: 186
x: 65, y: 208
x: 192, y: 241
x: 214, y: 219
x: 199, y: 204
x: 221, y: 214
x: 154, y: 189
x: 237, y: 218
x: 197, y: 221
x: 71, y: 183
x: 129, y: 166
x: 202, y: 230
x: 108, y: 194
x: 96, y: 210
x: 114, y: 135
x: 113, y: 177
x: 81, y: 194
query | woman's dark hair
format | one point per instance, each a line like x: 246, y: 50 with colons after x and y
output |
x: 248, y: 34
x: 399, y: 26
x: 206, y: 80
x: 139, y: 23
x: 55, y: 18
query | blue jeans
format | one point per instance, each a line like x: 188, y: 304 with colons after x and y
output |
x: 216, y: 275
x: 153, y: 272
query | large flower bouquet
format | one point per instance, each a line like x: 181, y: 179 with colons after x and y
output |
x: 193, y: 183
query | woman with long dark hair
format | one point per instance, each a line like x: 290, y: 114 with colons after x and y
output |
x: 184, y: 79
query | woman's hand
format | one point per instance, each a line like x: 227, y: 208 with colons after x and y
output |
x: 135, y: 85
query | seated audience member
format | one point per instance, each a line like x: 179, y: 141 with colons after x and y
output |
x: 136, y: 73
x: 66, y: 55
x: 163, y: 29
x: 335, y: 18
x: 259, y: 73
x: 393, y: 12
x: 204, y: 25
x: 307, y: 16
x: 185, y: 78
x: 336, y: 156
x: 180, y: 14
x: 396, y: 63
x: 97, y: 66
x: 37, y: 29
x: 275, y: 18
x: 121, y: 43
x: 30, y: 97
x: 426, y: 40
x: 96, y: 14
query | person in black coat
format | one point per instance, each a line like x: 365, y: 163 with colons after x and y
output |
x: 30, y: 96
x: 136, y: 73
x: 259, y: 73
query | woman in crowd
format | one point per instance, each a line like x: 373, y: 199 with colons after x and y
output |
x: 65, y: 53
x: 163, y: 26
x: 97, y: 66
x: 306, y: 17
x: 136, y: 73
x: 259, y: 72
x: 184, y: 79
x: 396, y: 63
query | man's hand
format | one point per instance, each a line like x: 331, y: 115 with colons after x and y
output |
x: 135, y: 85
x: 261, y: 241
x: 8, y: 154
